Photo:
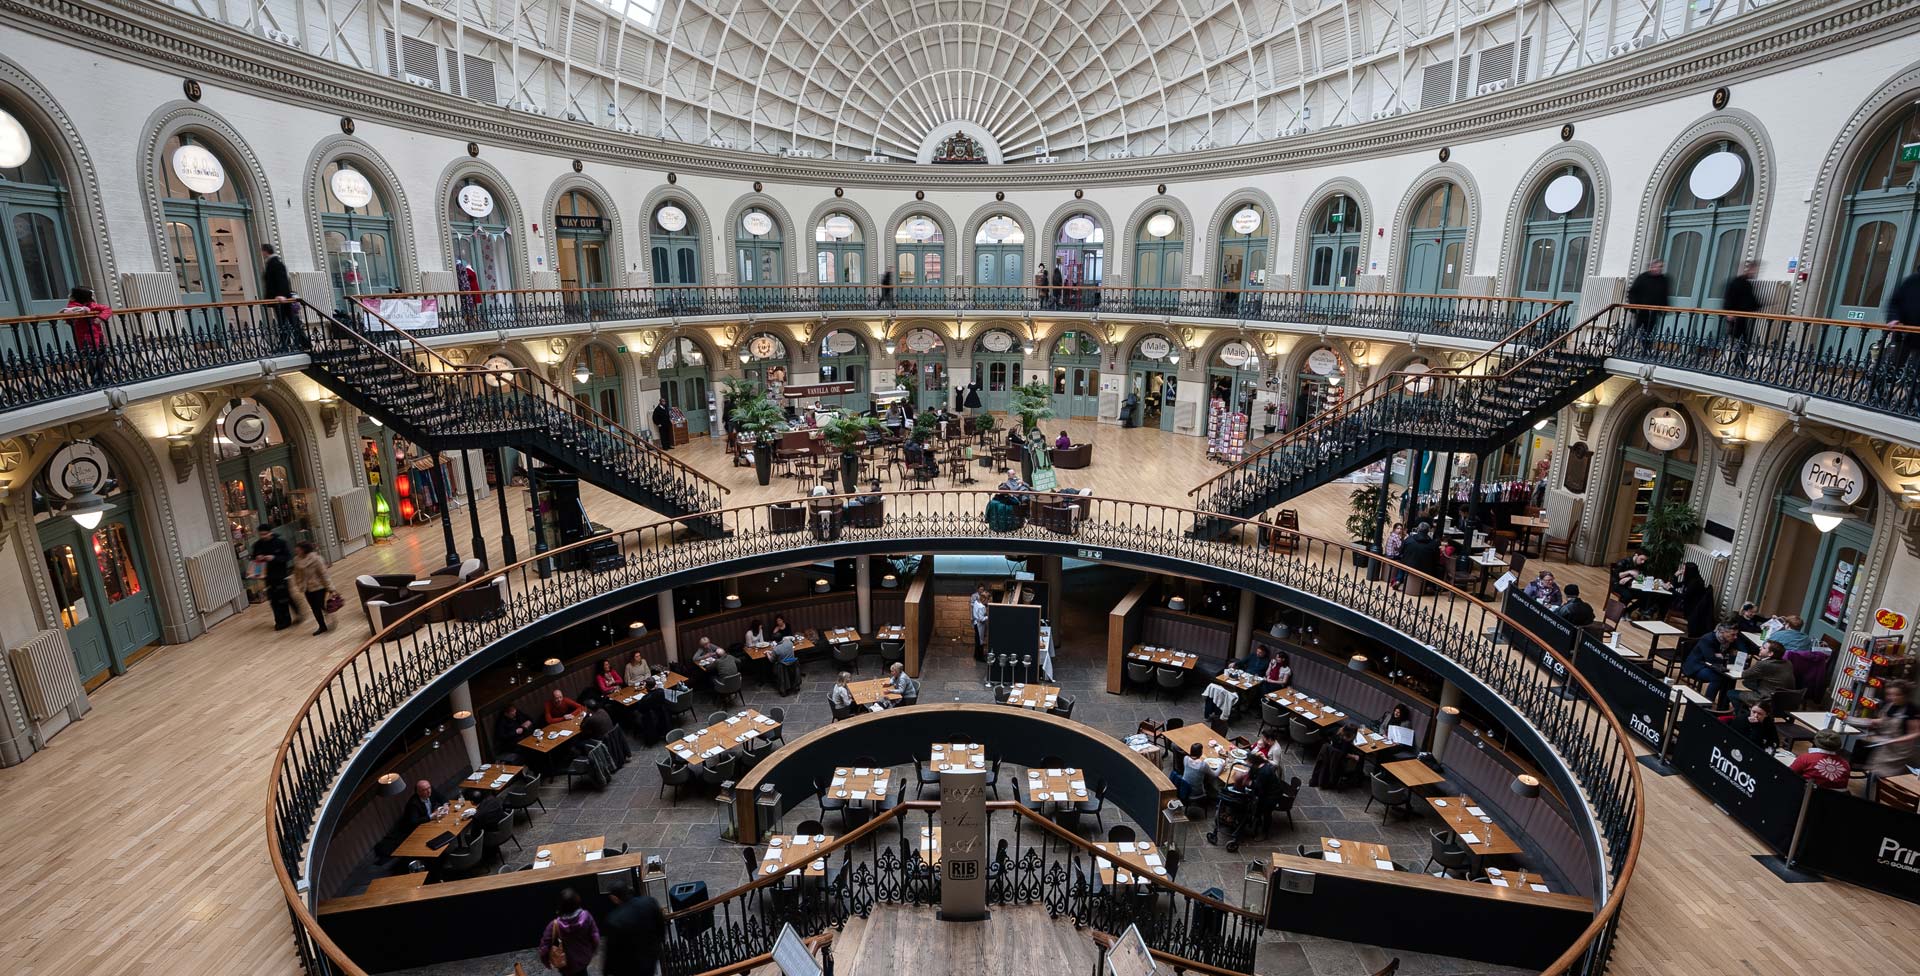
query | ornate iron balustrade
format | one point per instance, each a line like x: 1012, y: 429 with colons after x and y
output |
x: 1586, y: 751
x: 1033, y: 863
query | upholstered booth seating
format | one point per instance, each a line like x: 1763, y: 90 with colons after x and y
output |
x: 787, y: 518
x: 465, y: 571
x: 868, y: 516
x: 1077, y: 456
x: 382, y: 612
x: 387, y: 587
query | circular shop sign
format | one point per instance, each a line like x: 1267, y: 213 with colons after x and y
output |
x: 919, y: 228
x: 921, y: 340
x: 350, y: 187
x: 198, y: 169
x: 671, y: 219
x: 475, y: 200
x: 1155, y: 347
x: 1832, y: 469
x: 756, y: 223
x: 997, y: 341
x: 1715, y: 175
x: 1246, y: 221
x: 1161, y: 224
x: 1078, y: 228
x: 78, y: 468
x: 1323, y: 361
x: 841, y: 342
x: 766, y: 347
x: 1235, y: 354
x: 999, y: 228
x: 839, y: 227
x: 15, y: 145
x: 1665, y: 428
x: 1564, y: 193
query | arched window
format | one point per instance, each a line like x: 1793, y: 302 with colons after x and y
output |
x: 1080, y: 255
x: 759, y: 256
x: 1704, y: 224
x: 1333, y: 245
x: 1653, y: 472
x: 682, y: 369
x: 1819, y: 575
x: 1243, y: 251
x: 356, y: 226
x: 597, y: 382
x: 38, y: 268
x: 843, y: 359
x: 1076, y: 375
x: 1160, y: 259
x: 580, y: 233
x: 482, y: 231
x: 840, y: 256
x: 1153, y: 380
x: 208, y: 222
x: 675, y: 244
x: 999, y: 257
x: 765, y: 360
x: 919, y: 257
x: 1558, y: 230
x: 923, y: 355
x: 259, y: 479
x: 1880, y: 224
x: 1436, y: 242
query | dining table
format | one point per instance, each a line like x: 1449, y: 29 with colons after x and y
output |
x: 1307, y: 708
x: 569, y: 852
x: 956, y: 755
x: 453, y: 820
x: 1528, y: 525
x: 1473, y: 826
x: 1521, y: 881
x: 1060, y: 784
x: 1488, y: 561
x: 1368, y: 742
x: 1413, y: 773
x: 1341, y: 851
x: 1035, y: 696
x: 545, y: 740
x: 891, y: 632
x: 1129, y: 862
x: 1163, y: 656
x: 629, y: 695
x: 860, y: 784
x: 733, y: 732
x: 759, y: 652
x: 1217, y: 752
x: 491, y: 777
x: 787, y: 850
x: 1239, y: 681
x: 841, y: 635
x: 872, y: 691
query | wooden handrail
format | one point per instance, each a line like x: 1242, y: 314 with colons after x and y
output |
x: 751, y: 963
x: 1023, y: 286
x: 1181, y: 963
x: 1087, y: 848
x: 141, y: 309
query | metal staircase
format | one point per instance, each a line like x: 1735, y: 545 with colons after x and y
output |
x: 387, y: 373
x: 1531, y: 374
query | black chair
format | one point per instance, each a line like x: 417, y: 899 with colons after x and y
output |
x: 1454, y: 859
x: 1063, y: 707
x: 673, y: 773
x: 717, y: 770
x: 1095, y: 805
x: 1140, y: 673
x: 495, y: 834
x: 778, y: 714
x: 1273, y: 716
x: 923, y: 778
x: 844, y: 711
x: 1312, y: 855
x: 993, y: 779
x: 460, y: 860
x: 1170, y: 679
x: 829, y: 804
x: 752, y: 864
x: 1391, y: 797
x: 1120, y: 834
x: 1306, y: 735
x: 715, y: 718
x: 848, y: 656
x: 810, y: 828
x: 580, y: 766
x: 519, y: 799
x: 727, y: 687
x: 893, y: 651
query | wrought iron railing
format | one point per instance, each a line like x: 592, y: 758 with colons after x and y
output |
x: 351, y: 709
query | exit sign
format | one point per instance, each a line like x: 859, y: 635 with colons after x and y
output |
x: 620, y: 349
x: 1910, y: 153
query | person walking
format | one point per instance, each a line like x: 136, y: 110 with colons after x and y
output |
x: 1740, y: 297
x: 1903, y: 308
x: 1058, y: 281
x: 310, y: 577
x: 1652, y: 289
x: 663, y: 419
x: 569, y: 941
x: 978, y: 609
x: 634, y: 932
x: 272, y: 561
x: 276, y: 283
x: 886, y: 288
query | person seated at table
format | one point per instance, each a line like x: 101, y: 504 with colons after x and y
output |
x: 1062, y: 442
x: 823, y: 489
x: 915, y: 455
x: 1755, y: 721
x: 638, y: 670
x: 901, y: 683
x: 872, y: 496
x: 1707, y: 661
x: 1336, y: 760
x: 508, y: 729
x: 650, y: 716
x: 608, y: 680
x: 560, y: 707
x: 706, y: 651
x: 597, y: 725
x: 1256, y: 660
x: 1397, y: 715
x: 723, y: 665
x: 1747, y: 619
x: 1012, y: 483
x: 425, y: 804
x: 1192, y: 784
x: 1279, y: 673
x: 1825, y: 764
x: 1766, y: 674
x: 1544, y: 589
x: 781, y: 629
x: 1268, y: 745
x: 756, y: 634
x: 1574, y: 610
x: 1793, y: 637
x: 1623, y: 574
x: 841, y: 696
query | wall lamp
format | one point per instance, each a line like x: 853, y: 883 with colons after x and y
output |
x: 180, y: 452
x: 330, y: 414
x: 1733, y: 454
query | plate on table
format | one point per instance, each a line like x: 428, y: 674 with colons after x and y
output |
x: 544, y: 855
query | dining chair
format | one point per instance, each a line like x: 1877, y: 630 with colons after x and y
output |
x: 1120, y: 834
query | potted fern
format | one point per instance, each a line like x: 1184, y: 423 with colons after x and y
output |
x: 1665, y: 534
x: 755, y: 418
x: 848, y: 435
x: 1363, y: 525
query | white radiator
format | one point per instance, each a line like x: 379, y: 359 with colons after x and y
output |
x: 49, y: 680
x: 214, y: 576
x: 353, y: 513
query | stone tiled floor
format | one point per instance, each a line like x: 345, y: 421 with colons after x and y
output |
x: 687, y: 833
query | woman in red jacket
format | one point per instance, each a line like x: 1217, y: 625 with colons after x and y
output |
x: 89, y: 330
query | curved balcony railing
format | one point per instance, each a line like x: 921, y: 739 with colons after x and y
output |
x: 1864, y: 364
x: 1587, y: 750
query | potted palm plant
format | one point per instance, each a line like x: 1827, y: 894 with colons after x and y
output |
x: 848, y: 435
x: 1363, y: 525
x: 1665, y: 534
x: 1032, y: 403
x: 755, y: 418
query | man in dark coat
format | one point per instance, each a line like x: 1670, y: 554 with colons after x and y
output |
x: 1651, y: 288
x: 271, y: 553
x: 1902, y: 309
x: 1421, y: 552
x: 275, y: 282
x: 634, y: 932
x: 663, y: 419
x: 1740, y: 297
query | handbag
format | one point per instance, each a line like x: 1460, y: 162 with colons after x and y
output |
x: 335, y: 601
x: 556, y: 950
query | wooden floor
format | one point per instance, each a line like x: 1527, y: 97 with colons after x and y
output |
x: 135, y: 844
x: 900, y: 941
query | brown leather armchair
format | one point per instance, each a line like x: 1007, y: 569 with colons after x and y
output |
x: 787, y: 518
x: 1075, y: 457
x: 869, y: 516
x: 388, y: 587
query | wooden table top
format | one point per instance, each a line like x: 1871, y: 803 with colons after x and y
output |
x: 891, y: 632
x: 569, y: 852
x: 1658, y: 628
x: 842, y: 635
x: 871, y: 691
x: 1457, y: 811
x: 1360, y: 852
x: 1413, y: 773
x: 396, y: 882
x: 1033, y: 696
x: 1211, y: 746
x: 1163, y: 655
x: 388, y: 897
x: 415, y: 846
x: 860, y: 783
x: 628, y: 694
x: 1530, y: 522
x: 493, y: 777
x: 553, y: 736
x: 1367, y: 742
x: 1525, y: 882
x: 1065, y: 784
x: 735, y: 731
x: 758, y: 652
x: 956, y: 754
x: 786, y: 850
x: 1308, y: 708
x: 1238, y: 681
x: 1129, y: 862
x: 929, y: 846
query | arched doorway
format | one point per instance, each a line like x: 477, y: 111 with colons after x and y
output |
x: 996, y: 367
x: 999, y: 260
x: 357, y: 229
x: 1233, y: 377
x: 1080, y: 255
x: 920, y: 260
x: 1658, y: 465
x: 580, y: 233
x: 1436, y: 242
x: 1076, y: 376
x: 1160, y: 260
x: 1153, y: 378
x: 1880, y: 223
x: 844, y: 359
x: 764, y: 359
x: 675, y: 246
x: 482, y: 233
x: 597, y: 382
x: 923, y: 355
x: 39, y: 267
x: 840, y: 259
x: 1333, y: 245
x: 759, y: 257
x: 98, y: 575
x: 1241, y: 255
x: 209, y: 222
x: 1704, y: 225
x: 1812, y: 573
x: 259, y: 481
x: 683, y: 382
x: 1559, y: 228
x: 1317, y: 386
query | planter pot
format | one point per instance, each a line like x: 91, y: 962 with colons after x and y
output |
x: 849, y: 472
x: 763, y: 462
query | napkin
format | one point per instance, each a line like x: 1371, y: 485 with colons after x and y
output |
x: 1502, y: 882
x: 1383, y: 865
x: 1476, y: 811
x: 838, y: 781
x: 859, y: 794
x: 594, y: 856
x: 861, y: 771
x: 537, y: 865
x: 1153, y: 860
x: 1331, y: 856
x: 733, y: 721
x: 1471, y: 838
x: 1078, y: 784
x: 1538, y: 887
x: 1053, y: 772
x: 1126, y: 847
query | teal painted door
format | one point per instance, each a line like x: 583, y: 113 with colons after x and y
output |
x: 1878, y: 250
x: 996, y: 375
x: 1161, y: 271
x: 1702, y: 252
x: 1433, y: 262
x: 76, y: 592
x: 99, y: 583
x: 919, y: 272
x: 1001, y: 268
x: 685, y: 388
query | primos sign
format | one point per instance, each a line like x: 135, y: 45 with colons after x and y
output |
x: 1740, y: 776
x: 1867, y: 843
x: 1632, y: 691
